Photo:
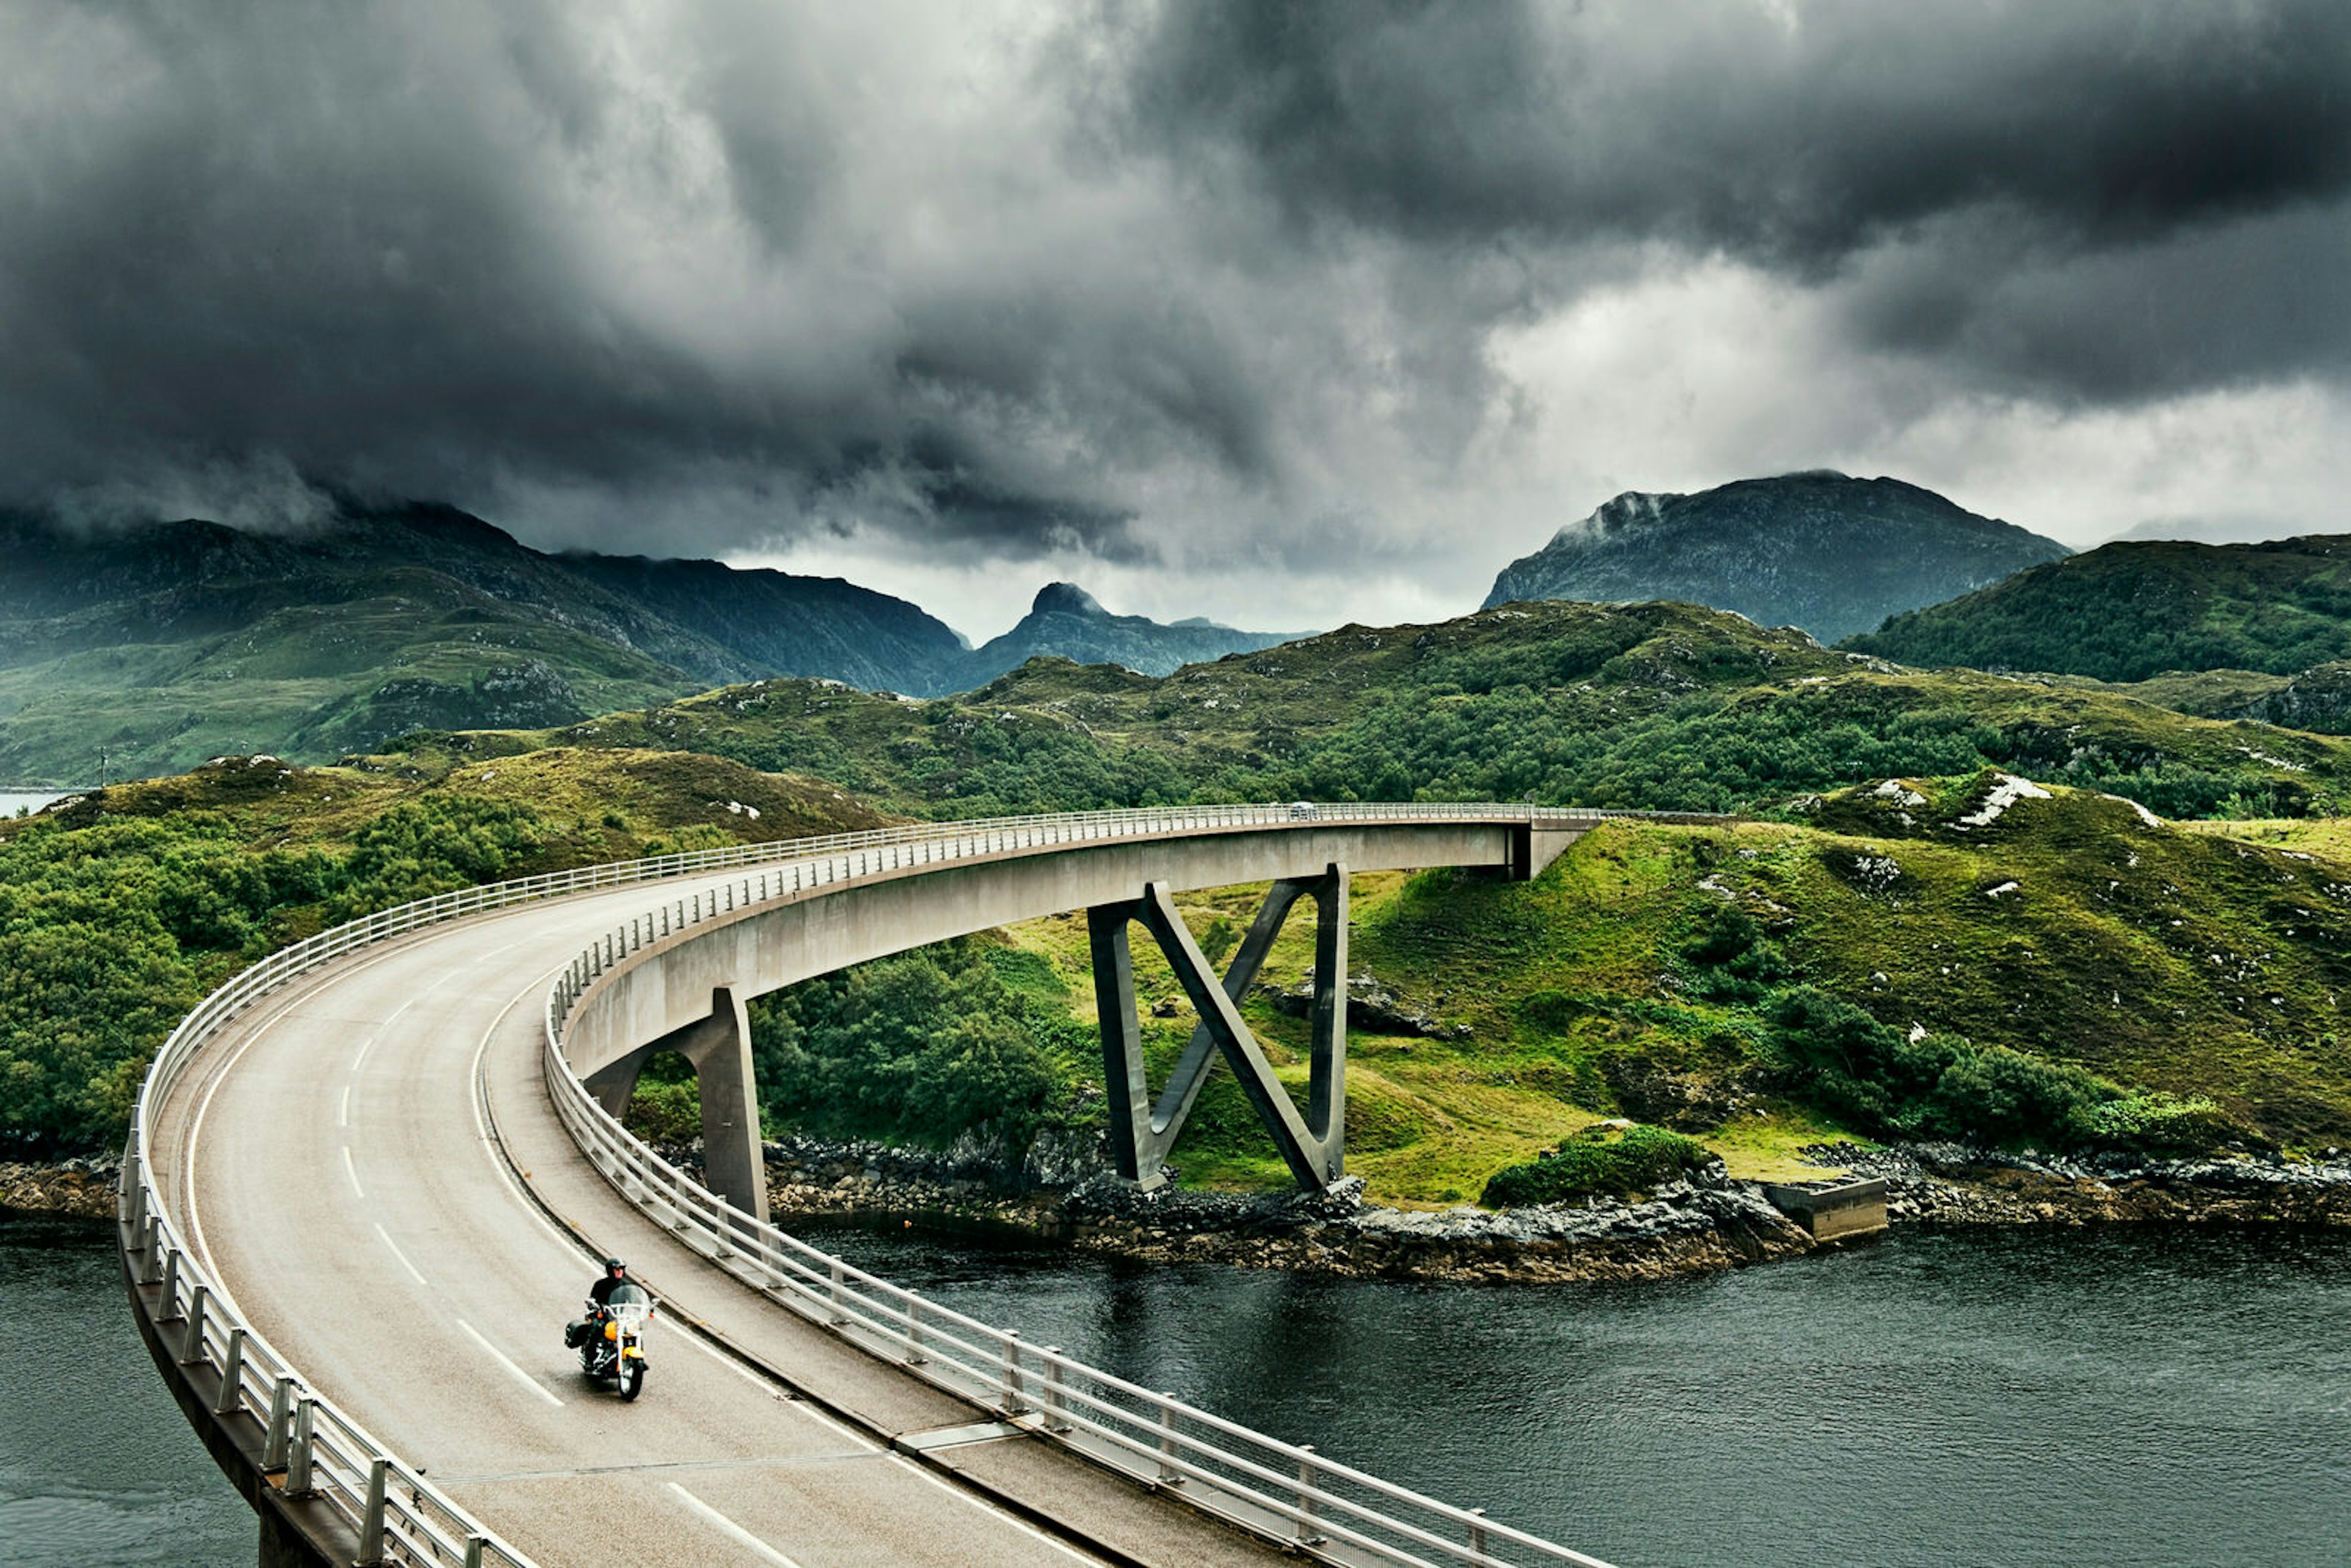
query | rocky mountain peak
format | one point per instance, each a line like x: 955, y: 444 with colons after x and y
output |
x: 1066, y: 598
x: 1819, y: 549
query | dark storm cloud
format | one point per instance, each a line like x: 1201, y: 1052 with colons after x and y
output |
x: 449, y: 250
x: 693, y: 275
x: 2003, y: 141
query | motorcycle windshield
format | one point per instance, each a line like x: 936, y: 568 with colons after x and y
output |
x: 629, y: 1304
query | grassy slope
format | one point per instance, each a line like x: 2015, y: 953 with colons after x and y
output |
x: 119, y: 908
x: 2158, y: 957
x: 301, y: 681
x: 2127, y: 612
x: 1654, y: 706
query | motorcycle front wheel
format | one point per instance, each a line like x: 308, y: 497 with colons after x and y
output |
x: 632, y: 1378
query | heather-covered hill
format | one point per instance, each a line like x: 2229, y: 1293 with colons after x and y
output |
x: 2131, y: 611
x: 1660, y: 706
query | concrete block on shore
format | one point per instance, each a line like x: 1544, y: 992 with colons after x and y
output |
x: 1833, y: 1209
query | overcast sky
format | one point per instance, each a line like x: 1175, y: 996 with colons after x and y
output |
x: 1288, y: 315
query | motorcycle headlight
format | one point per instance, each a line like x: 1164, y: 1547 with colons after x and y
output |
x: 611, y: 1331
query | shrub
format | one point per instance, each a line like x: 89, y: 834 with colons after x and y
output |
x: 1933, y: 1086
x: 1638, y: 1160
x: 664, y: 1113
x: 1730, y: 958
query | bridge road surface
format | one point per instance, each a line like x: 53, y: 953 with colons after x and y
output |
x: 343, y: 1155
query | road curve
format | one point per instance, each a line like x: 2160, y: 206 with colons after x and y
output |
x: 367, y: 1164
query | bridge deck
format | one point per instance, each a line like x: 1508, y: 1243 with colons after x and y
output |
x: 381, y: 1242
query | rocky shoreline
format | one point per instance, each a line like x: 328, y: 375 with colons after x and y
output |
x: 1696, y: 1226
x: 1059, y: 1192
x: 82, y: 1188
x: 1952, y: 1184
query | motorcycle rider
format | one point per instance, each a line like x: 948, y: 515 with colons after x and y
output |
x: 616, y: 1274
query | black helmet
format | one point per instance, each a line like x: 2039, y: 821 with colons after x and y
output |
x: 614, y: 1266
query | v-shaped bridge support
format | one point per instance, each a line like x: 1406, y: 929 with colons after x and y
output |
x: 1314, y: 1146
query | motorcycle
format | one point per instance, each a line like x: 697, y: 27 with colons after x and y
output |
x: 614, y: 1349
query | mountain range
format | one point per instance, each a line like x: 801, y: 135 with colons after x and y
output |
x: 135, y: 652
x: 1819, y: 551
x: 145, y: 651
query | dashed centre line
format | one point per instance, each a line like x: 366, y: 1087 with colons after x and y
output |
x: 396, y: 1252
x: 726, y: 1526
x: 525, y: 1378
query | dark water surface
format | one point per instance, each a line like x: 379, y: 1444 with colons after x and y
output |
x: 2125, y: 1396
x: 2129, y: 1396
x: 98, y: 1467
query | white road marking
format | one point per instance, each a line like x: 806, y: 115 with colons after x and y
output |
x: 392, y: 1018
x: 526, y: 1380
x: 396, y: 1252
x: 352, y: 1171
x: 741, y: 1536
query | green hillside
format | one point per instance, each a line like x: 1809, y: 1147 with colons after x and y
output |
x: 1657, y: 705
x: 313, y: 680
x: 1945, y: 958
x: 2129, y: 612
x: 120, y: 908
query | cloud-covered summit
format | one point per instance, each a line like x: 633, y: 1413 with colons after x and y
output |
x: 1203, y: 292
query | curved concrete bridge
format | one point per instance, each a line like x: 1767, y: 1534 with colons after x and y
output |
x: 355, y: 1213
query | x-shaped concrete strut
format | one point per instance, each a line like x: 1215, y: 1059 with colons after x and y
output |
x: 1141, y: 1131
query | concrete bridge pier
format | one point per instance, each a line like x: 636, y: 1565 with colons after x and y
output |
x: 718, y: 1048
x: 1142, y: 1129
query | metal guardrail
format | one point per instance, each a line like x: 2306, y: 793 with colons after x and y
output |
x: 1286, y: 1493
x: 401, y: 1516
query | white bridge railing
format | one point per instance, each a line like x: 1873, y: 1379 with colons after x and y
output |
x: 323, y: 1455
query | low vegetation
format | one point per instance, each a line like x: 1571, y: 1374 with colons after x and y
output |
x: 2131, y: 610
x: 120, y: 908
x: 1667, y: 706
x: 1600, y: 1159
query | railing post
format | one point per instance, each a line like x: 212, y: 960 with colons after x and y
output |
x: 371, y: 1520
x: 151, y: 1266
x: 168, y: 1308
x: 475, y: 1544
x: 1016, y: 1402
x: 1477, y: 1534
x: 1056, y: 1407
x: 281, y: 1416
x: 191, y: 1348
x: 1309, y: 1506
x: 915, y: 1356
x: 298, y: 1455
x: 231, y: 1398
x: 839, y: 1280
x: 1169, y: 1476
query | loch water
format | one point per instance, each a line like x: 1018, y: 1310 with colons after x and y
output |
x: 98, y: 1467
x: 2129, y: 1398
